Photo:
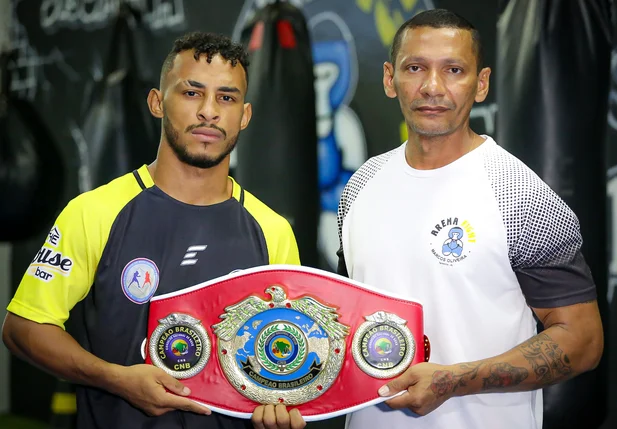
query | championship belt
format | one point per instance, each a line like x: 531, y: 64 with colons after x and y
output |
x: 284, y: 334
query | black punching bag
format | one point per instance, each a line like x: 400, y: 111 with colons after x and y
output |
x: 552, y: 92
x: 277, y: 153
x: 118, y: 129
x: 32, y: 171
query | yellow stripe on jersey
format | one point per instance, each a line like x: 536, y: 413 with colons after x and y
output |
x: 280, y: 239
x: 62, y: 272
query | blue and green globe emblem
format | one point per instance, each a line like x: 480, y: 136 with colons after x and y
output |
x: 281, y: 347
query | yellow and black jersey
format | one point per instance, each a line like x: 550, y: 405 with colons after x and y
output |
x: 114, y: 248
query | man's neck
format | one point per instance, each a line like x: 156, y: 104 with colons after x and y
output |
x: 191, y: 185
x: 428, y: 153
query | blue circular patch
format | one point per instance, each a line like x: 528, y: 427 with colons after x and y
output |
x: 140, y: 279
x: 281, y: 348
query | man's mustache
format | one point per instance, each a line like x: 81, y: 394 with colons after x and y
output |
x: 416, y: 104
x: 214, y: 127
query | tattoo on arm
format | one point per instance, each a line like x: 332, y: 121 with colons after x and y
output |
x: 504, y: 375
x: 445, y: 382
x: 549, y: 362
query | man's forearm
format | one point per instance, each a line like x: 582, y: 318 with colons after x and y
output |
x: 55, y: 351
x: 547, y: 358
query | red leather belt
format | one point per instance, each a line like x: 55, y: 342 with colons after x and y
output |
x: 285, y: 334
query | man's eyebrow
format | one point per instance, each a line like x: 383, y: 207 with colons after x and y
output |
x: 229, y: 89
x: 194, y: 84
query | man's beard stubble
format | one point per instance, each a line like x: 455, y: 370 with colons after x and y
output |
x: 444, y: 130
x: 200, y: 161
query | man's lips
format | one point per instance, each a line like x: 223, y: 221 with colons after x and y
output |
x: 207, y: 134
x: 432, y: 109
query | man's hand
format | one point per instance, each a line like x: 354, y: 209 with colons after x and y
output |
x: 277, y: 417
x: 146, y: 387
x: 426, y: 386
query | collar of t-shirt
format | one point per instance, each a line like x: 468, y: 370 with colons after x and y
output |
x: 454, y: 166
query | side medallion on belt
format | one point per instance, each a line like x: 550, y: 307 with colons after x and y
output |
x: 383, y: 346
x: 180, y: 346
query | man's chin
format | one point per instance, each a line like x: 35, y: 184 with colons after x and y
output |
x: 203, y: 163
x: 423, y: 131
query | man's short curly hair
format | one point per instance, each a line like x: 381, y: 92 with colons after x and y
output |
x: 208, y: 44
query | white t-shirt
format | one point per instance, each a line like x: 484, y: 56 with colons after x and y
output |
x: 477, y: 242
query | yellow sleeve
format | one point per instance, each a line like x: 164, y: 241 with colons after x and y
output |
x: 62, y: 271
x: 280, y: 238
x: 283, y: 249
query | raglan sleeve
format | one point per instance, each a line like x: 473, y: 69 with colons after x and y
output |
x: 62, y: 271
x: 547, y: 257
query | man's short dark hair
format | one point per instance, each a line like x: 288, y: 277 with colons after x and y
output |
x: 439, y: 18
x: 208, y: 44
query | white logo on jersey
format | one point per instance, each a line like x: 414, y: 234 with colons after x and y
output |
x: 54, y: 236
x: 191, y: 253
x: 452, y: 240
x: 40, y: 273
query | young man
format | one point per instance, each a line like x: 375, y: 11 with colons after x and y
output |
x: 451, y: 219
x: 172, y: 224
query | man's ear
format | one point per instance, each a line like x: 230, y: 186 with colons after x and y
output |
x: 155, y: 103
x: 246, y: 116
x: 483, y: 84
x: 388, y: 80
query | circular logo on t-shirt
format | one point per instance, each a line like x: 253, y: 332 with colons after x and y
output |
x: 140, y: 278
x: 452, y: 240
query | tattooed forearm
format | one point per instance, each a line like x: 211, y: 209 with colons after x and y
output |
x: 549, y: 362
x: 504, y: 375
x: 445, y: 382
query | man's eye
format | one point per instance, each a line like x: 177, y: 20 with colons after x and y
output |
x: 414, y: 68
x: 227, y: 98
x: 456, y: 70
x: 191, y: 93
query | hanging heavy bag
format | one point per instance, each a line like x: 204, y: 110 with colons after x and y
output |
x: 277, y: 153
x: 553, y: 62
x: 118, y: 129
x: 32, y: 171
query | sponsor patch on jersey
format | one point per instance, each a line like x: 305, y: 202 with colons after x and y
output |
x: 54, y: 236
x: 452, y: 240
x: 140, y: 279
x: 40, y: 273
x: 51, y: 261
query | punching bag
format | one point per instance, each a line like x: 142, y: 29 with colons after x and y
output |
x: 277, y: 152
x: 552, y: 89
x: 118, y: 130
x: 610, y: 346
x: 32, y: 171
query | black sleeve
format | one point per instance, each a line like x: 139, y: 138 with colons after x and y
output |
x: 342, y: 267
x: 547, y: 258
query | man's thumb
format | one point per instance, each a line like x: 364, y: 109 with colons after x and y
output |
x: 174, y: 386
x: 392, y: 388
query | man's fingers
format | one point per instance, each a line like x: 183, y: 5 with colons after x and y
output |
x: 282, y: 417
x: 297, y: 421
x: 258, y: 417
x: 395, y: 386
x: 269, y: 417
x: 173, y: 385
x: 185, y: 404
x: 399, y: 401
